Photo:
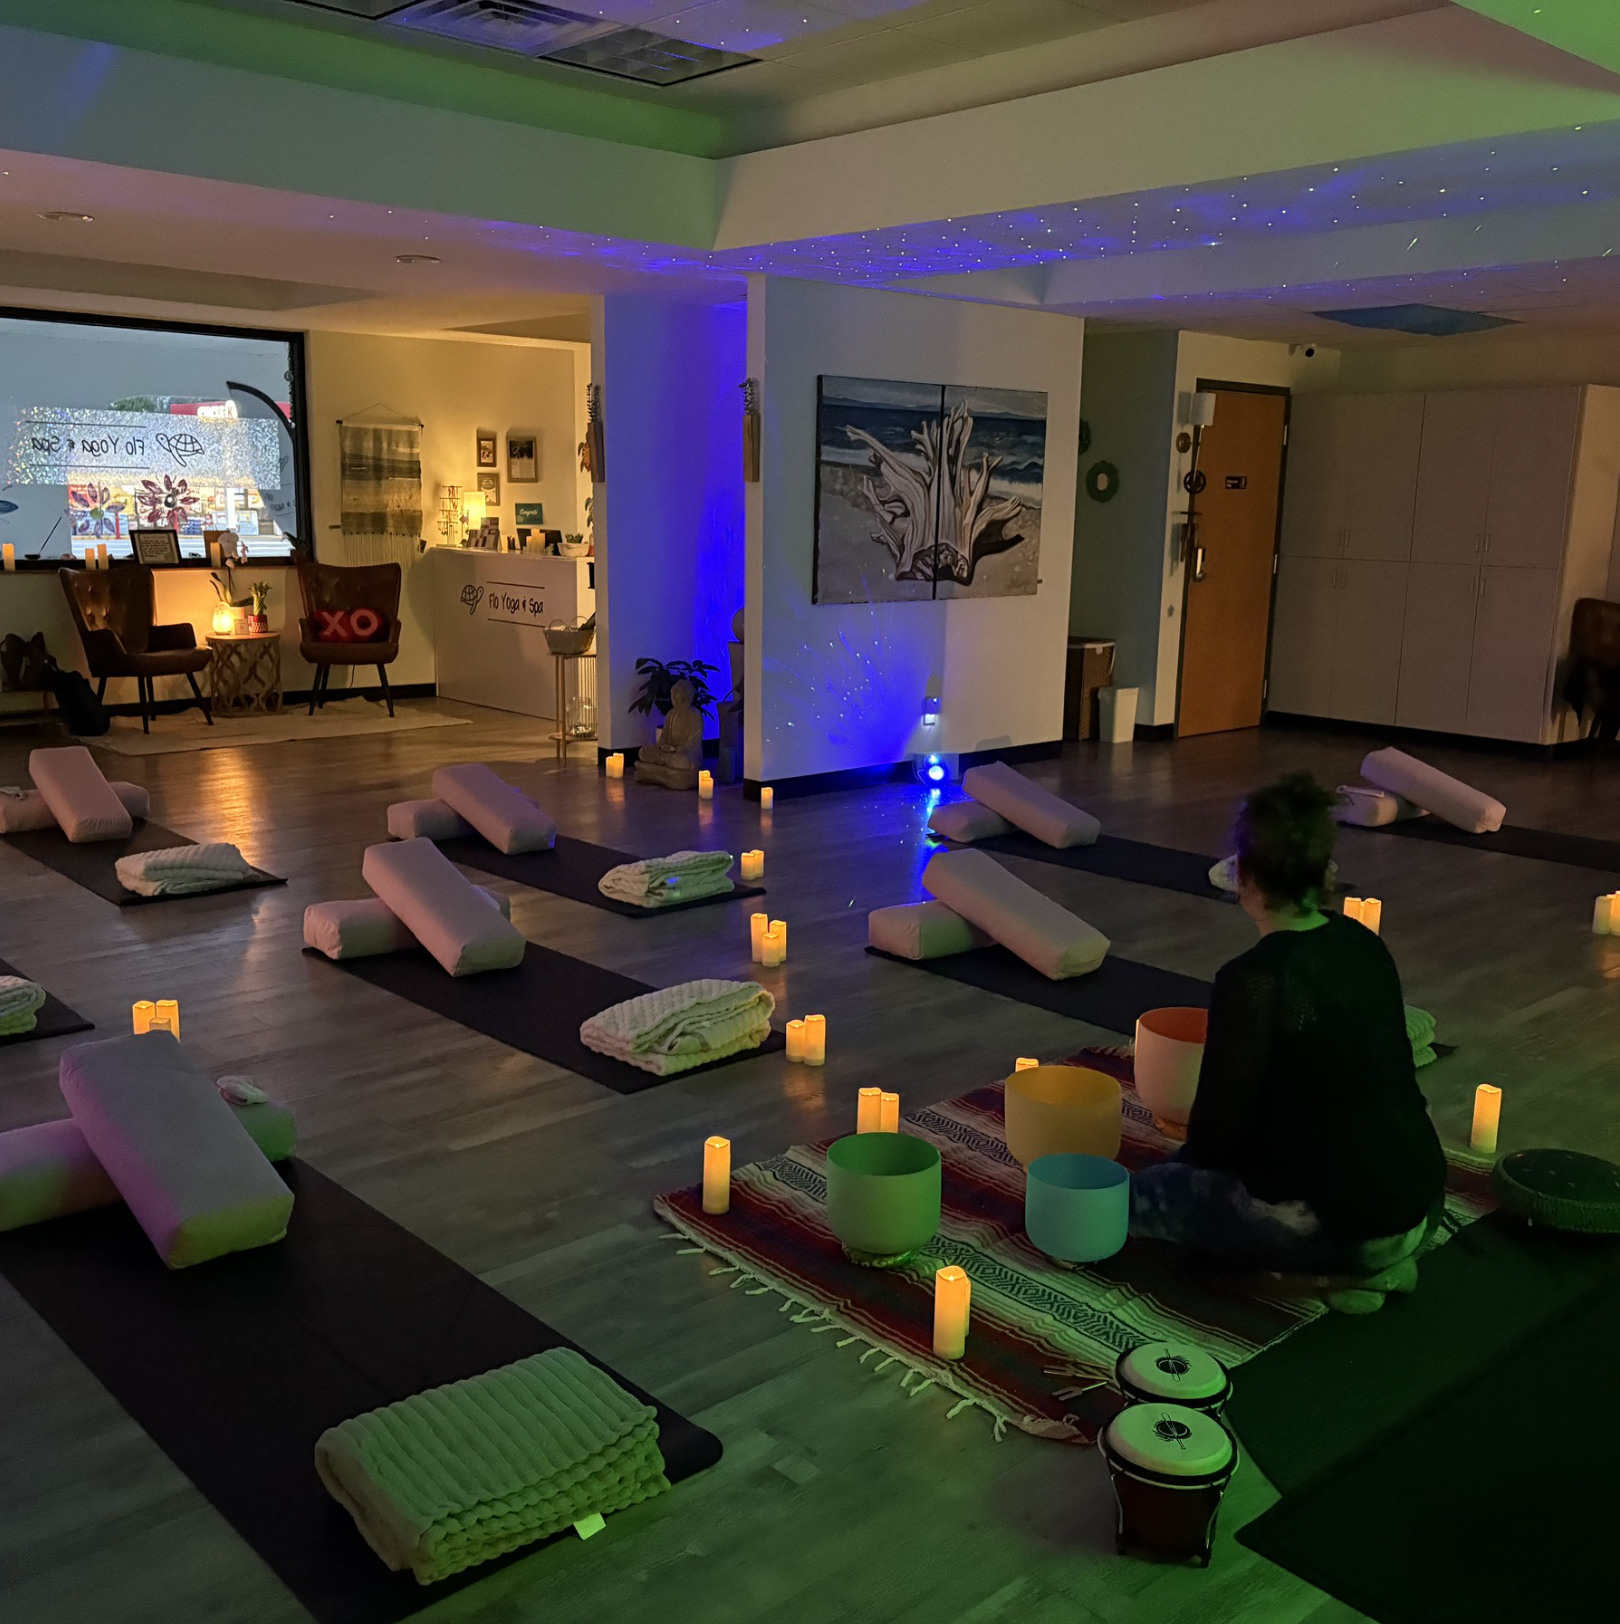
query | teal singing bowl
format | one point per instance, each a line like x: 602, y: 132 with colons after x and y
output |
x: 1077, y: 1208
x: 882, y: 1195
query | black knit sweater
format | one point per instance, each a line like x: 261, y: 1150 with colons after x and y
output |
x: 1307, y: 1090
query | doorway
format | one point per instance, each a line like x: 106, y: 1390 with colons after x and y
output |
x: 1230, y: 569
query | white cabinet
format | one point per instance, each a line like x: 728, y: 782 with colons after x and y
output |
x: 1508, y: 511
x: 1316, y: 490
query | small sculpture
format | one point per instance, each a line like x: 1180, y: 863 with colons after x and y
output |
x: 675, y: 759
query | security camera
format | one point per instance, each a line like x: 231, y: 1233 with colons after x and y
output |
x: 1310, y: 352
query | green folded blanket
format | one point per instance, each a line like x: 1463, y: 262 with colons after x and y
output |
x: 455, y: 1476
x: 1420, y: 1033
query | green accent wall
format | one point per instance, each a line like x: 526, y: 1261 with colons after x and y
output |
x: 373, y: 64
x: 1585, y: 28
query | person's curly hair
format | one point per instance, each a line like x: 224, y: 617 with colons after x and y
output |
x: 1285, y: 834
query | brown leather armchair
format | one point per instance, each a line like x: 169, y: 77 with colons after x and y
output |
x: 330, y: 590
x: 1592, y: 681
x: 113, y: 610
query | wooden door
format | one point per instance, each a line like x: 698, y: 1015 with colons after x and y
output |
x: 1320, y: 431
x: 1437, y: 647
x: 1454, y: 476
x: 1514, y: 638
x: 1531, y: 473
x: 1229, y: 573
x: 1302, y: 636
x: 1385, y: 443
x: 1367, y: 645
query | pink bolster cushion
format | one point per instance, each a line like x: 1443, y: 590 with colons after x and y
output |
x: 442, y: 908
x: 367, y: 926
x: 1023, y: 802
x: 1447, y: 798
x: 966, y: 821
x: 922, y: 930
x: 499, y: 811
x: 24, y: 810
x: 80, y: 798
x: 427, y: 820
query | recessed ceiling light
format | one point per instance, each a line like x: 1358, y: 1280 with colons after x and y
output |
x: 67, y: 214
x: 417, y: 259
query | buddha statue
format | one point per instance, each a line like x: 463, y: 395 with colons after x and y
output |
x: 675, y: 759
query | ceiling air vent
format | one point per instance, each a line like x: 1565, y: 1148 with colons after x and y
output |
x: 654, y: 59
x: 1432, y: 321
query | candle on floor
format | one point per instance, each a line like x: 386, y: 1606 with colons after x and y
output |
x: 1351, y: 908
x: 868, y: 1110
x: 705, y: 786
x: 716, y: 1174
x: 753, y: 865
x: 141, y: 1014
x: 815, y: 1040
x: 1372, y: 913
x: 773, y: 950
x: 767, y: 798
x: 168, y: 1010
x: 1487, y: 1119
x: 614, y: 765
x: 758, y: 924
x: 1024, y: 1063
x: 1603, y: 915
x: 953, y: 1292
x: 889, y: 1113
x: 795, y: 1040
x: 10, y: 555
x: 160, y: 1023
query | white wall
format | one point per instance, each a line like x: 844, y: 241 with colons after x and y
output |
x: 669, y: 519
x: 834, y: 687
x: 1508, y: 358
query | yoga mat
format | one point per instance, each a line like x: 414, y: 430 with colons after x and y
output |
x: 235, y: 1367
x: 1491, y: 1506
x: 1578, y: 851
x: 1112, y: 996
x: 539, y: 1007
x: 53, y: 1019
x: 571, y: 869
x: 1492, y: 1284
x: 94, y: 864
x: 1119, y: 859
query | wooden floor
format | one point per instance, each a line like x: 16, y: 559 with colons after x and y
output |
x: 839, y: 1498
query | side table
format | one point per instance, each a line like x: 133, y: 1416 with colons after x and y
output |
x: 245, y: 677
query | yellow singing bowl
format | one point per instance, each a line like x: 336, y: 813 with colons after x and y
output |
x: 1062, y: 1111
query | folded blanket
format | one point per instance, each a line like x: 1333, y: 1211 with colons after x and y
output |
x: 20, y: 1004
x: 460, y: 1474
x: 675, y: 1028
x: 1420, y: 1032
x: 655, y: 882
x: 182, y: 870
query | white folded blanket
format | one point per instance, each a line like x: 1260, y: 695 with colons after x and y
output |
x: 656, y: 882
x: 675, y: 1028
x: 181, y: 870
x: 20, y: 1004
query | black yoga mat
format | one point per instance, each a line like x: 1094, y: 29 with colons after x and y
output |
x: 235, y: 1367
x: 94, y: 864
x: 1578, y: 851
x: 1492, y: 1505
x: 1119, y: 859
x: 1111, y: 996
x: 53, y: 1019
x: 571, y: 869
x: 538, y: 1007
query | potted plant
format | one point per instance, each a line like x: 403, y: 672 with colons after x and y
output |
x: 259, y: 616
x: 657, y: 679
x: 231, y: 611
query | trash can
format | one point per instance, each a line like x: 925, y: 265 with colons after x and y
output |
x: 1091, y: 666
x: 1117, y: 710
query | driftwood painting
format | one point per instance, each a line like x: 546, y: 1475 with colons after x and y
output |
x: 927, y: 491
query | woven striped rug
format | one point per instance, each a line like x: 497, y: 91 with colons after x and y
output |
x: 1044, y: 1338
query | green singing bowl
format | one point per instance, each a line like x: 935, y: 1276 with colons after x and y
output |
x: 882, y: 1195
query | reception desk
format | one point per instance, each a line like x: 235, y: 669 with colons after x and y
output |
x: 490, y: 611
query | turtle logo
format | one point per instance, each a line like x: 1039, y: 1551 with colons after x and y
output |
x: 1168, y: 1430
x: 182, y: 447
x: 472, y: 596
x: 1173, y: 1364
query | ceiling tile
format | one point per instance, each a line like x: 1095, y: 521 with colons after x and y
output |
x: 882, y: 55
x: 745, y: 25
x: 1006, y: 24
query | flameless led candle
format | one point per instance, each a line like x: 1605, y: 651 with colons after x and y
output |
x: 795, y: 1040
x: 953, y: 1291
x: 1024, y: 1063
x: 815, y: 1040
x: 705, y: 786
x: 101, y: 555
x: 889, y: 1113
x: 753, y: 865
x: 1372, y: 913
x: 716, y: 1174
x: 10, y: 555
x: 1487, y: 1119
x: 159, y: 1024
x: 614, y: 765
x: 1603, y: 915
x: 1351, y: 907
x: 141, y: 1014
x: 868, y: 1110
x: 758, y: 924
x: 773, y: 949
x: 168, y: 1010
x: 767, y: 798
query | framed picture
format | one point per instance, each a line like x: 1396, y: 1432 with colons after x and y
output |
x: 529, y: 513
x: 156, y: 546
x: 490, y: 485
x: 486, y: 450
x: 522, y: 458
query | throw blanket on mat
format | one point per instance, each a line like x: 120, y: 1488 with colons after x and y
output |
x: 655, y: 882
x: 20, y: 1004
x: 181, y: 870
x: 460, y: 1474
x: 676, y: 1028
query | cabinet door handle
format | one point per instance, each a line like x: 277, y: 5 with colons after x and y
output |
x: 1487, y: 541
x: 1484, y: 582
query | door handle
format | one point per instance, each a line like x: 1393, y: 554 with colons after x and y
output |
x: 1198, y: 564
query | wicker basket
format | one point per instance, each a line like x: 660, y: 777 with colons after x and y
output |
x: 571, y: 639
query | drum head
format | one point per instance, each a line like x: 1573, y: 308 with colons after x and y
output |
x: 1176, y: 1371
x: 1170, y: 1440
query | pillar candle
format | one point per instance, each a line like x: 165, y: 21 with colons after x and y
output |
x: 1487, y: 1119
x: 705, y: 786
x: 168, y: 1009
x: 1372, y: 913
x: 953, y: 1292
x: 142, y: 1014
x: 753, y: 865
x: 1024, y: 1063
x: 614, y: 765
x: 1603, y: 915
x: 758, y: 924
x: 795, y: 1040
x: 773, y: 949
x: 779, y: 926
x: 716, y: 1174
x: 10, y: 555
x: 889, y: 1113
x: 1352, y: 908
x: 216, y: 554
x: 767, y: 798
x: 868, y: 1110
x: 815, y: 1040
